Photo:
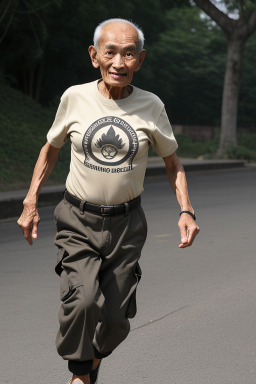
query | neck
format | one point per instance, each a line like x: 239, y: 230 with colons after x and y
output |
x: 115, y: 93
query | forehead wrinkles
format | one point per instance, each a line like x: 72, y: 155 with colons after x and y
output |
x: 119, y: 35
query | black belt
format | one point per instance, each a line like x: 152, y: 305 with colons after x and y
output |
x: 103, y: 210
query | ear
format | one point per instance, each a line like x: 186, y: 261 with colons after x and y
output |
x: 142, y: 55
x: 93, y: 55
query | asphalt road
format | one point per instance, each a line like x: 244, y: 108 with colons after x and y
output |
x: 197, y: 307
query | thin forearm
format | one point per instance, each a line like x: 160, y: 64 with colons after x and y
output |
x: 29, y: 218
x: 179, y: 185
x: 43, y: 168
x: 178, y: 182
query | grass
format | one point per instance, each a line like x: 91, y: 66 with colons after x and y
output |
x: 24, y: 125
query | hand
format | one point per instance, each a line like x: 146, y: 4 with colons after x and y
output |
x: 28, y: 222
x: 188, y: 230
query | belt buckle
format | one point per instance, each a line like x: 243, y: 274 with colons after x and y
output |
x: 106, y: 210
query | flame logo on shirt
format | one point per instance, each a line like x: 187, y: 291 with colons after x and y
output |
x: 110, y: 144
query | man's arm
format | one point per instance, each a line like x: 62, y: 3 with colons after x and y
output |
x: 29, y: 218
x: 178, y: 182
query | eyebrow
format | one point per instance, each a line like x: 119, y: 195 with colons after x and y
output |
x: 127, y: 48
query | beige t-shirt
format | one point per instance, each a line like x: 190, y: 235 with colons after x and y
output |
x: 110, y: 141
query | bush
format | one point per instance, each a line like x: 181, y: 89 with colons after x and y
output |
x: 189, y: 147
x: 246, y: 148
x: 241, y: 153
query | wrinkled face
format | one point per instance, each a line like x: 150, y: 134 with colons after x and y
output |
x: 117, y: 55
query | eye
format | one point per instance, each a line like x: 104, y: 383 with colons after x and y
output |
x: 129, y: 54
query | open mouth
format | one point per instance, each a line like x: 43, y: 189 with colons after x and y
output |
x: 117, y: 75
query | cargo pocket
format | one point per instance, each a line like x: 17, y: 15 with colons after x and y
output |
x: 66, y: 288
x: 132, y: 306
x: 72, y: 298
x: 60, y: 256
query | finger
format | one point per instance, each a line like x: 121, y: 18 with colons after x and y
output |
x: 183, y: 235
x: 192, y: 233
x: 182, y: 245
x: 191, y: 237
x: 34, y: 228
x: 27, y: 235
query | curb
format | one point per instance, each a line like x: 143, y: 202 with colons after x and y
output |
x: 11, y: 202
x: 156, y: 167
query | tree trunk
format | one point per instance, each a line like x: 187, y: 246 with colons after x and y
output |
x: 228, y: 135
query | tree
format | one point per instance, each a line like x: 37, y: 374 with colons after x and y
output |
x: 23, y: 39
x: 237, y: 32
x: 44, y: 45
x: 185, y: 67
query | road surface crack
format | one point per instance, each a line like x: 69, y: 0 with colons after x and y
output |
x: 159, y: 319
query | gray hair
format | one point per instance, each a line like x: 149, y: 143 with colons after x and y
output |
x: 98, y: 30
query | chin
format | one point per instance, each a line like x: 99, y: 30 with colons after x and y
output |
x: 117, y: 84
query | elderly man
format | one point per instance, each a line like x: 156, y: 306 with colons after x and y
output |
x: 101, y: 227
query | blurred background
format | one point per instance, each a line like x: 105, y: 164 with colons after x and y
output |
x: 43, y: 50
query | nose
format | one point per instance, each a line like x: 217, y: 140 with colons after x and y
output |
x: 118, y: 61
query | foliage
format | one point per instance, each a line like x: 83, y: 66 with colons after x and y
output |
x: 188, y: 62
x: 69, y: 42
x: 247, y: 97
x: 24, y: 125
x: 25, y: 27
x: 45, y: 51
x: 245, y: 149
x: 189, y: 147
x: 237, y: 33
x: 244, y: 7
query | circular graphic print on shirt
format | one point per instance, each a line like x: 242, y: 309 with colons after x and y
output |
x: 111, y: 142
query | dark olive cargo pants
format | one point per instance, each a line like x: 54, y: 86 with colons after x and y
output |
x: 99, y: 273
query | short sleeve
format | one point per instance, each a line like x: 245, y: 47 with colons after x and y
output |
x: 163, y: 140
x: 57, y: 135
